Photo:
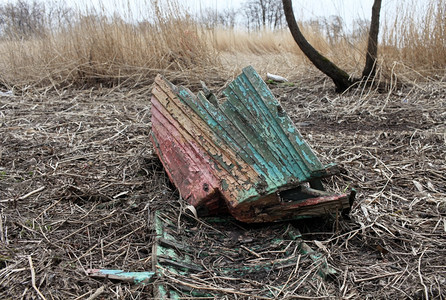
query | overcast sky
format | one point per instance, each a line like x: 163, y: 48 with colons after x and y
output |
x: 309, y: 9
x: 304, y: 10
x: 347, y: 9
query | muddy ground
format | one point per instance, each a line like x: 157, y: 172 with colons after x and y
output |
x: 79, y: 187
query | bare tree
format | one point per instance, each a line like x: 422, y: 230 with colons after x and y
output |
x: 59, y: 16
x: 372, y: 45
x: 252, y: 14
x: 208, y: 17
x: 212, y: 18
x: 360, y: 29
x: 340, y: 78
x: 227, y: 18
x: 261, y: 14
x: 22, y: 19
x: 334, y: 28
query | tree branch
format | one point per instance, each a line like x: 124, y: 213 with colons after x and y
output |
x: 372, y: 46
x: 340, y: 78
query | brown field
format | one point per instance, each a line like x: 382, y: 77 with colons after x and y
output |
x: 79, y: 184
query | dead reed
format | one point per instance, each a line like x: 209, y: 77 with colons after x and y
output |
x: 79, y: 184
x: 93, y: 48
x: 79, y: 187
x: 413, y: 43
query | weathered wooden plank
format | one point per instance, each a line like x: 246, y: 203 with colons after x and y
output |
x: 132, y: 277
x: 188, y: 124
x: 208, y: 140
x: 181, y: 160
x: 263, y: 139
x: 305, y: 152
x: 228, y: 149
x: 254, y: 143
x: 278, y: 129
x: 187, y: 130
x: 234, y: 137
x: 244, y: 151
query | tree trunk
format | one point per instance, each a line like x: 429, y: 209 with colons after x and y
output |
x: 262, y: 5
x: 340, y: 78
x: 372, y: 46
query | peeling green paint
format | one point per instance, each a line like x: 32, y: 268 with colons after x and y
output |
x: 243, y: 145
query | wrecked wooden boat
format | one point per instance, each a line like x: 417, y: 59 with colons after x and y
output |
x: 239, y: 154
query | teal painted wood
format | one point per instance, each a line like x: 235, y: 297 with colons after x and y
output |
x: 265, y: 114
x: 135, y: 277
x: 300, y: 149
x: 253, y: 124
x: 222, y: 125
x: 240, y: 153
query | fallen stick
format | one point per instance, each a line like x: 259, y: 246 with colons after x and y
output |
x: 376, y: 277
x: 32, y: 193
x: 25, y: 196
x: 250, y: 251
x: 96, y: 293
x: 33, y: 277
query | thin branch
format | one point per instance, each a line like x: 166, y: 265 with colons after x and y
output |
x: 33, y: 277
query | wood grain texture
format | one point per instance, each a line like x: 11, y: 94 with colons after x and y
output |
x: 239, y: 154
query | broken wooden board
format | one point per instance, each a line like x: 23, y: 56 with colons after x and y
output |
x: 227, y: 251
x: 120, y: 275
x: 242, y: 154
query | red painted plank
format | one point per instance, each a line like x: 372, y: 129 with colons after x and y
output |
x: 211, y: 175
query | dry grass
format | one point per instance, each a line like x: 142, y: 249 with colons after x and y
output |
x: 94, y: 49
x: 79, y: 186
x: 106, y: 50
x: 414, y: 43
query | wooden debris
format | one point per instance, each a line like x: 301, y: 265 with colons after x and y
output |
x: 243, y: 154
x: 133, y: 277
